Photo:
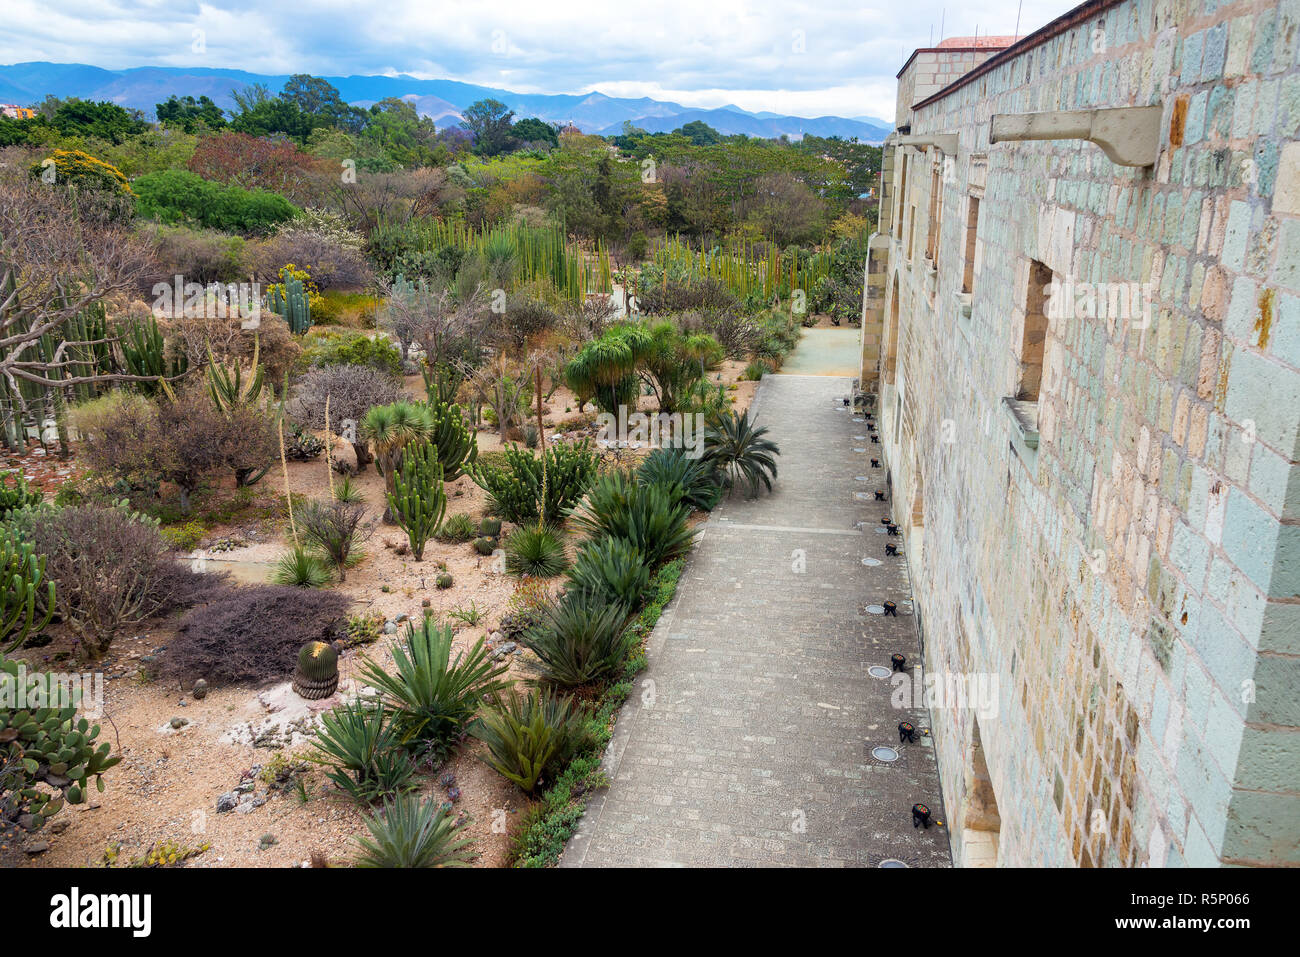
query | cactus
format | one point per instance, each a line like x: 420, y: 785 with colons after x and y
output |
x: 17, y: 494
x: 485, y: 545
x: 289, y: 300
x: 444, y: 580
x: 43, y: 742
x: 419, y: 499
x: 21, y: 594
x: 144, y: 354
x: 489, y: 527
x: 318, y: 671
x: 456, y: 444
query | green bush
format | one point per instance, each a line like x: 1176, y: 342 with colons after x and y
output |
x: 329, y: 347
x: 179, y: 197
x: 613, y: 569
x: 459, y: 528
x: 686, y: 479
x: 515, y: 487
x: 300, y: 568
x: 645, y: 516
x: 184, y: 538
x: 580, y: 639
x: 535, y: 552
x: 528, y: 737
x: 432, y: 696
x: 408, y: 832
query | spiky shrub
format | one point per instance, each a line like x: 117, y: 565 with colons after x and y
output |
x: 301, y: 569
x: 14, y: 493
x: 613, y: 569
x: 362, y: 750
x: 515, y: 487
x: 336, y: 528
x: 690, y: 480
x: 391, y: 428
x: 456, y: 445
x: 48, y: 756
x: 645, y: 516
x: 529, y: 736
x: 433, y: 697
x: 407, y: 832
x: 24, y: 591
x: 457, y: 528
x: 347, y: 490
x: 740, y: 452
x: 535, y: 552
x: 318, y: 671
x: 301, y: 446
x: 419, y: 499
x: 580, y: 639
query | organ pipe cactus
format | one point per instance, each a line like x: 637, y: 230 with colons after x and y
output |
x: 23, y: 592
x: 419, y: 498
x: 290, y: 301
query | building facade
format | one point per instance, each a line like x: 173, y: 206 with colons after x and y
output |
x: 1082, y: 328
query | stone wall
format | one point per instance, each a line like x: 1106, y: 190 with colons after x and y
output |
x: 1115, y: 533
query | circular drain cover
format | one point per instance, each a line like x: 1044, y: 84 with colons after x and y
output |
x: 883, y: 753
x: 861, y: 495
x: 875, y: 609
x: 880, y: 530
x: 878, y: 671
x: 861, y: 478
x: 859, y: 437
x: 859, y: 450
x: 892, y: 862
x: 871, y: 562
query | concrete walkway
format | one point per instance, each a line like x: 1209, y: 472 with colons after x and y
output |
x: 749, y: 739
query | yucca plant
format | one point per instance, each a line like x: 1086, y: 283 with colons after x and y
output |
x: 645, y: 516
x: 433, y: 697
x: 580, y: 639
x: 363, y: 752
x: 408, y: 832
x: 300, y: 568
x: 390, y: 428
x: 535, y: 552
x: 336, y: 527
x: 690, y: 480
x: 612, y: 568
x: 346, y: 490
x: 740, y: 452
x: 529, y: 736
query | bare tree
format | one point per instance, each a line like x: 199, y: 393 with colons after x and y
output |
x: 443, y: 325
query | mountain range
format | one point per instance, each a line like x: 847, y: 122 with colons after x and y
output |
x: 443, y: 101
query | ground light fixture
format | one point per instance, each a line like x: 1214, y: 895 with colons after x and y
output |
x: 891, y: 609
x: 891, y: 549
x: 906, y: 732
x: 898, y: 662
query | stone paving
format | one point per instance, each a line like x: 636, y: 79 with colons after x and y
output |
x: 749, y: 739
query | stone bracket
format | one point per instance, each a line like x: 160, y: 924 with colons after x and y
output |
x: 1128, y: 135
x: 945, y: 143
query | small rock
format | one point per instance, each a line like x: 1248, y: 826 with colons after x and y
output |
x: 227, y: 802
x: 36, y: 847
x: 178, y: 723
x: 390, y: 627
x: 59, y: 825
x: 183, y: 703
x: 508, y: 647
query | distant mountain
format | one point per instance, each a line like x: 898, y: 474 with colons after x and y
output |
x: 443, y: 101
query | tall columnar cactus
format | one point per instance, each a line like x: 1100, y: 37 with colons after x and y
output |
x: 26, y: 598
x: 289, y: 300
x: 419, y: 498
x: 318, y: 671
x: 15, y: 494
x: 456, y: 445
x: 42, y: 742
x: 144, y: 353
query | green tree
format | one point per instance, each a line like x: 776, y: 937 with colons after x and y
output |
x: 490, y: 122
x: 191, y: 115
x: 533, y: 130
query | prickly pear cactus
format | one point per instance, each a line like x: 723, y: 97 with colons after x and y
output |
x: 317, y: 675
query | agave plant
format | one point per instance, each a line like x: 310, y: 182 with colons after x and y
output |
x: 646, y: 516
x: 408, y: 832
x: 535, y: 552
x: 433, y: 697
x: 737, y: 449
x: 612, y: 568
x: 360, y: 747
x: 579, y: 639
x: 528, y: 736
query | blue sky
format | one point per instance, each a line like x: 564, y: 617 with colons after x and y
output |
x: 802, y: 58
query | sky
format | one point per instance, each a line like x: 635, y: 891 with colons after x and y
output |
x: 836, y: 57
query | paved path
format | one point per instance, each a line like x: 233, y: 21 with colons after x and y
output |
x: 749, y: 739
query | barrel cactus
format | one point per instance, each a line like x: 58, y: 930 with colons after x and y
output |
x: 318, y: 671
x: 485, y: 546
x: 489, y: 527
x: 444, y: 580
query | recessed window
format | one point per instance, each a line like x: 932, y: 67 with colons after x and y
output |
x: 936, y: 205
x: 1033, y: 339
x: 972, y: 229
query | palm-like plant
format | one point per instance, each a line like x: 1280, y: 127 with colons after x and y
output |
x: 390, y: 428
x: 581, y: 638
x: 300, y: 568
x: 528, y: 736
x: 433, y: 696
x: 612, y: 568
x: 408, y: 832
x: 646, y: 516
x: 360, y: 747
x: 738, y: 449
x: 690, y: 480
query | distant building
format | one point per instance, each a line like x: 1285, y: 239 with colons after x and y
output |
x: 1083, y: 331
x: 15, y: 112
